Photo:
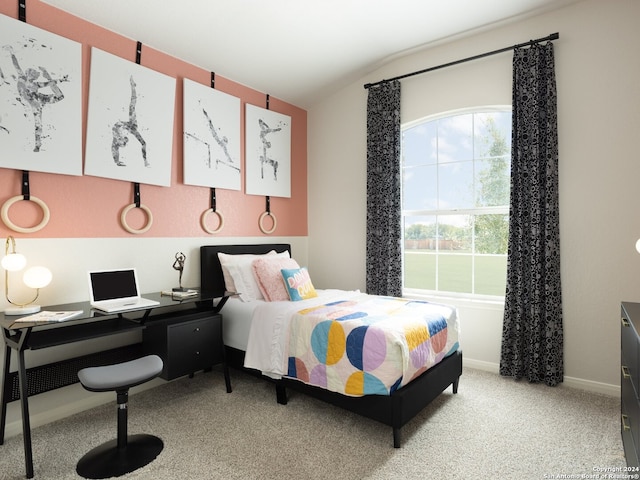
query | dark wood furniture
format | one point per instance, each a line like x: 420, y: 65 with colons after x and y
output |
x: 630, y: 382
x: 91, y: 324
x: 186, y: 343
x: 395, y: 410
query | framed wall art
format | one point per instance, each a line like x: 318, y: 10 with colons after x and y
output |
x: 130, y: 121
x: 267, y: 152
x: 211, y: 137
x: 40, y: 99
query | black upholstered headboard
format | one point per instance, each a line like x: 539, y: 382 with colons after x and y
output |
x: 211, y: 279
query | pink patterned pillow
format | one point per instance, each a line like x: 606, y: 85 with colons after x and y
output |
x: 269, y: 278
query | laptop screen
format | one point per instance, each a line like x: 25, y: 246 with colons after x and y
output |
x: 113, y: 284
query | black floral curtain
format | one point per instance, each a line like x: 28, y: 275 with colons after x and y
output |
x: 384, y: 220
x: 532, y: 335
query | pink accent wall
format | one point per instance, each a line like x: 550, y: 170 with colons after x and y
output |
x: 88, y: 206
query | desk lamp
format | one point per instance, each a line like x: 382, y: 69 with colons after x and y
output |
x: 34, y: 277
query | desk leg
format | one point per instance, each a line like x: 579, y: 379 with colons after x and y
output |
x: 3, y: 393
x: 225, y: 366
x: 227, y: 378
x: 24, y: 405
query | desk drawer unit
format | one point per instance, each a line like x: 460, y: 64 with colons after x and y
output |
x: 186, y: 343
x: 630, y: 382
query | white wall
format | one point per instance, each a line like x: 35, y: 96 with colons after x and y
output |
x: 69, y: 260
x: 597, y: 72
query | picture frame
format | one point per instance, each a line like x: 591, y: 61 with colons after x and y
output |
x: 40, y: 99
x: 130, y: 121
x: 211, y: 137
x: 267, y: 152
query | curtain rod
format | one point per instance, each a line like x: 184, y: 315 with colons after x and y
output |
x: 553, y: 36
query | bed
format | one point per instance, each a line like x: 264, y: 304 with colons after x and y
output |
x: 396, y: 408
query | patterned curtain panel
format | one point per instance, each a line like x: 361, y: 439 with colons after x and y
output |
x: 384, y: 221
x: 532, y: 335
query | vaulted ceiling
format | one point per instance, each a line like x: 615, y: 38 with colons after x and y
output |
x: 297, y: 50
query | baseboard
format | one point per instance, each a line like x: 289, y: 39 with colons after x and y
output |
x: 571, y: 382
x: 66, y: 408
x: 591, y: 386
x: 14, y: 427
x: 481, y: 365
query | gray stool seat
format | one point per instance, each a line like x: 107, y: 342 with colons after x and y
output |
x: 127, y: 452
x: 121, y: 375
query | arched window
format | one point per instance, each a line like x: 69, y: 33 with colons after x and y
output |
x: 455, y: 202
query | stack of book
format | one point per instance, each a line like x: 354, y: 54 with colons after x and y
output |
x: 179, y: 295
x: 49, y: 316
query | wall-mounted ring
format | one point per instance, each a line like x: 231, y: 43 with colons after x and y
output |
x: 125, y: 225
x: 203, y: 220
x: 273, y: 218
x: 4, y: 213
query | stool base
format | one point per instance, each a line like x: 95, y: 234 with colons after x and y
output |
x: 107, y: 460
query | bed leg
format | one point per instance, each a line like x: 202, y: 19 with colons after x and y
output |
x: 396, y: 437
x: 281, y: 394
x: 455, y: 385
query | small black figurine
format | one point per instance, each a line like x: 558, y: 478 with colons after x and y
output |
x: 179, y: 265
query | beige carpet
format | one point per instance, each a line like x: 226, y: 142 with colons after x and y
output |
x: 493, y: 428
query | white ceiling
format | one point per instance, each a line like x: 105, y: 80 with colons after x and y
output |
x: 296, y: 50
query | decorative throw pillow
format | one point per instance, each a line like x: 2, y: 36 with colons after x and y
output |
x: 245, y: 260
x: 269, y: 278
x: 298, y: 284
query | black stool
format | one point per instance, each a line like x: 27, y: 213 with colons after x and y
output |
x: 128, y: 452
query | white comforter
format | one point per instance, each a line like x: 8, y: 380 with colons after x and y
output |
x: 411, y: 342
x: 267, y: 347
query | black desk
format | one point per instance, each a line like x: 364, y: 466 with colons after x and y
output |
x: 22, y: 336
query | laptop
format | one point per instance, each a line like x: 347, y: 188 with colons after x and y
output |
x: 116, y: 291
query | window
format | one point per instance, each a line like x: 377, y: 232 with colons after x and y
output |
x: 455, y: 202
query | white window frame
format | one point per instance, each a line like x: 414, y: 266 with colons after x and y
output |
x: 438, y: 294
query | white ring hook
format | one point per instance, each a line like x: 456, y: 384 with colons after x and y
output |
x: 273, y: 218
x: 203, y: 220
x: 4, y: 213
x: 125, y: 225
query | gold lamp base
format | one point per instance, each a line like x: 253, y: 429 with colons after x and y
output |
x: 26, y: 310
x: 34, y: 277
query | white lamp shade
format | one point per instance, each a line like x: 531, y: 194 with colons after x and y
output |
x: 37, y: 277
x: 638, y: 246
x: 14, y: 262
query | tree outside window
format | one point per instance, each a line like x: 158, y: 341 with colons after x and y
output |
x: 456, y: 172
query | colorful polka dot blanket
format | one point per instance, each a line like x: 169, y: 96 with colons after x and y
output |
x: 353, y: 343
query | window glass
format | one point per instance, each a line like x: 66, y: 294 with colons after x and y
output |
x: 455, y: 185
x: 455, y: 138
x: 420, y: 187
x: 455, y: 202
x: 419, y: 145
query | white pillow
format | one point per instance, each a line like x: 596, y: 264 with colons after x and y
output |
x: 240, y: 273
x: 245, y: 283
x: 227, y: 259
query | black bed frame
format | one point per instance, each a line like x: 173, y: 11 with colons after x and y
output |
x: 394, y: 410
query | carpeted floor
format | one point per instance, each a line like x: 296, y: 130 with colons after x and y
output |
x: 494, y: 427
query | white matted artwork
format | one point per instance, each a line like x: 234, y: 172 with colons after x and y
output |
x: 211, y: 137
x: 130, y: 121
x: 267, y: 152
x: 40, y: 99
